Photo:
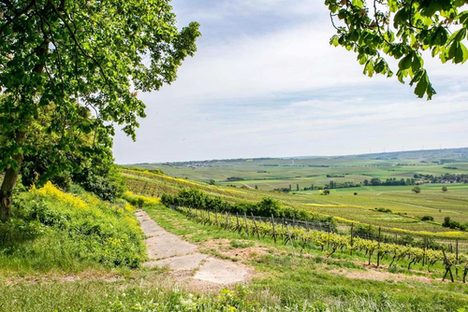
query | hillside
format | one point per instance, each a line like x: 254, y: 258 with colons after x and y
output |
x: 318, y: 172
x: 70, y: 251
x: 406, y: 208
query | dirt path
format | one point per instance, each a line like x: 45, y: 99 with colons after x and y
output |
x: 184, y: 261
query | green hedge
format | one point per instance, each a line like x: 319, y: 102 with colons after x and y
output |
x: 267, y: 207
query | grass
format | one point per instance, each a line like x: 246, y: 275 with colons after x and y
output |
x: 270, y: 173
x: 407, y: 207
x: 56, y: 231
x: 294, y: 279
x: 287, y: 279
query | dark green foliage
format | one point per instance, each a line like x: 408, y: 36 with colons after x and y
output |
x: 105, y: 183
x: 416, y: 189
x: 384, y: 210
x: 267, y: 207
x: 427, y: 218
x: 364, y: 231
x: 444, y: 189
x: 449, y: 223
x: 401, y: 30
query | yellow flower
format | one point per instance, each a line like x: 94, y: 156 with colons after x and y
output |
x: 50, y: 190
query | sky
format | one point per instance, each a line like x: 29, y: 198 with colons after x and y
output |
x: 266, y: 83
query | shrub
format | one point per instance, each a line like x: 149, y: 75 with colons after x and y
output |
x: 427, y: 218
x: 365, y: 231
x: 384, y: 210
x: 416, y: 189
x: 53, y: 229
x: 267, y: 207
x: 449, y: 223
x: 444, y: 189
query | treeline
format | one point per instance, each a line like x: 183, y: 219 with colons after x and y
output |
x: 389, y: 182
x: 267, y: 207
x: 445, y: 178
x: 449, y: 223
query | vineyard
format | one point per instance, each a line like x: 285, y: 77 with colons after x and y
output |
x: 245, y: 212
x: 455, y: 266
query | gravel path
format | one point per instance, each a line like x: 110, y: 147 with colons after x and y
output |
x: 183, y: 259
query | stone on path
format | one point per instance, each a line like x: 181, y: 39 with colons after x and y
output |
x: 168, y: 250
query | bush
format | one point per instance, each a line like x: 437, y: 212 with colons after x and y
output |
x: 365, y: 231
x: 449, y: 223
x: 108, y: 186
x: 267, y: 207
x: 384, y: 210
x: 52, y: 229
x: 427, y: 218
x: 416, y: 189
x: 444, y: 189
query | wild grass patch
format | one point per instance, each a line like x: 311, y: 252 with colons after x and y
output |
x: 54, y: 230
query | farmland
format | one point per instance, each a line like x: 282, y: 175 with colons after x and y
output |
x: 387, y: 206
x: 271, y: 173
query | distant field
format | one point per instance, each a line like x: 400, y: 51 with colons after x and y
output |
x: 406, y: 207
x: 253, y: 179
x: 271, y: 173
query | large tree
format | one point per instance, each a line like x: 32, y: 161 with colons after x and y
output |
x: 82, y: 61
x: 379, y: 30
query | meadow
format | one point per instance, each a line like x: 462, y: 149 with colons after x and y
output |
x: 405, y: 208
x: 70, y: 251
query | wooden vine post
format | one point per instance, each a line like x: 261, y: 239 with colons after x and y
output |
x: 351, y: 242
x: 456, y: 257
x: 246, y: 225
x: 273, y: 227
x: 255, y: 225
x: 378, y: 248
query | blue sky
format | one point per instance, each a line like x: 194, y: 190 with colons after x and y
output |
x: 265, y: 83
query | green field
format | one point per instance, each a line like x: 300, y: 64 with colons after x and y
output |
x: 271, y: 173
x: 70, y: 251
x: 406, y: 206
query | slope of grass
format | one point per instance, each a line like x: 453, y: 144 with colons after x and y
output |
x: 56, y: 231
x: 286, y: 280
x: 307, y: 279
x: 407, y: 208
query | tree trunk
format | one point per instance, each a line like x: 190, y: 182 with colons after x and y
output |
x: 6, y: 193
x: 9, y: 182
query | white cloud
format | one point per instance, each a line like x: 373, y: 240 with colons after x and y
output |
x: 288, y: 92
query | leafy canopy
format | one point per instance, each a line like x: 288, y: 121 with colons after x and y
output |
x: 70, y: 70
x: 401, y: 29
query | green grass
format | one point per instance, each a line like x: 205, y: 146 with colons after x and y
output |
x: 55, y: 231
x: 270, y: 173
x: 407, y: 207
x: 286, y: 280
x: 292, y: 278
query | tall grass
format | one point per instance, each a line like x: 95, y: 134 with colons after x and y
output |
x: 51, y: 229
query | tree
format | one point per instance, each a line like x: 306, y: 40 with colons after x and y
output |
x: 82, y: 62
x: 444, y: 189
x: 416, y: 189
x: 379, y: 30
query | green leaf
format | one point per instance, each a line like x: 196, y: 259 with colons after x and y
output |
x: 358, y: 3
x: 405, y: 62
x: 421, y: 87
